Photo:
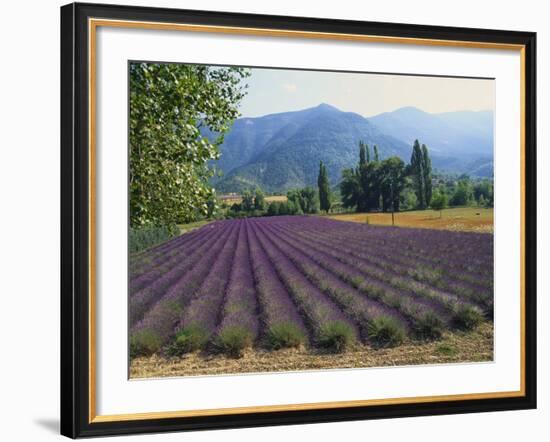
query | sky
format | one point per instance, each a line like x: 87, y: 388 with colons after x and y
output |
x: 278, y: 90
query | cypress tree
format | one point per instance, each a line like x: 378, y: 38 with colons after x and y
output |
x: 427, y: 175
x: 418, y: 174
x: 324, y: 188
x: 376, y: 157
x: 375, y: 198
x: 362, y: 154
x: 368, y: 195
x: 363, y: 176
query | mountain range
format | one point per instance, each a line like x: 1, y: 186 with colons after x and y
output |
x: 282, y: 151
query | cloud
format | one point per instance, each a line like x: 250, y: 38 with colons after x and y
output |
x: 289, y: 87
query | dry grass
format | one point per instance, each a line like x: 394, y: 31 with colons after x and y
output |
x: 186, y: 228
x: 279, y: 198
x: 474, y: 346
x: 237, y: 199
x: 468, y: 219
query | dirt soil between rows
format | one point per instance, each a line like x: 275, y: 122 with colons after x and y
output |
x: 454, y: 347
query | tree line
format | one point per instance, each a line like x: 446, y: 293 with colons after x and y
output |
x: 253, y: 203
x: 373, y: 185
x: 376, y: 184
x: 462, y: 191
x: 389, y: 184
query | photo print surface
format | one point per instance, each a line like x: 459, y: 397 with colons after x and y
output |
x: 289, y: 220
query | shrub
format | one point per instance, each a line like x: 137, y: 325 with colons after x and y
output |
x: 336, y: 336
x: 428, y: 326
x: 232, y: 340
x: 372, y: 291
x: 144, y: 237
x: 144, y: 343
x: 285, y: 335
x: 356, y: 281
x: 446, y: 350
x: 432, y: 276
x: 273, y: 208
x: 394, y: 300
x: 467, y: 317
x: 187, y: 339
x: 385, y: 331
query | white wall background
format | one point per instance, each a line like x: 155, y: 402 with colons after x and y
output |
x: 29, y: 221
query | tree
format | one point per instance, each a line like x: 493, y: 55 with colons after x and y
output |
x: 463, y: 193
x: 420, y: 170
x: 372, y: 185
x: 291, y: 208
x: 212, y: 206
x: 169, y: 104
x: 363, y: 149
x: 360, y: 186
x: 309, y: 200
x: 363, y: 176
x: 417, y: 172
x: 481, y: 201
x: 439, y: 202
x: 247, y: 203
x: 259, y: 199
x: 350, y: 188
x: 392, y: 183
x: 305, y: 199
x: 484, y: 189
x: 368, y: 172
x: 427, y: 175
x: 324, y: 188
x: 409, y: 198
x: 288, y: 208
x: 373, y: 182
x: 283, y: 208
x: 273, y: 208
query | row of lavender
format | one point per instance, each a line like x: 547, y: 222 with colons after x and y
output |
x: 289, y: 281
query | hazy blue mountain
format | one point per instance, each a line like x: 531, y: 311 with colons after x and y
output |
x: 291, y: 157
x: 455, y: 139
x: 248, y: 136
x: 282, y: 151
x: 477, y: 123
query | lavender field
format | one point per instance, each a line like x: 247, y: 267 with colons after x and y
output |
x: 306, y: 281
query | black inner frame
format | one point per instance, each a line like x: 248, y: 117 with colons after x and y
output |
x: 75, y: 220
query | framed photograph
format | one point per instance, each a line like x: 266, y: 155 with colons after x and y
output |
x: 274, y: 220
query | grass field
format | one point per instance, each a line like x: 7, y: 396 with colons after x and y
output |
x: 466, y: 219
x: 270, y: 199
